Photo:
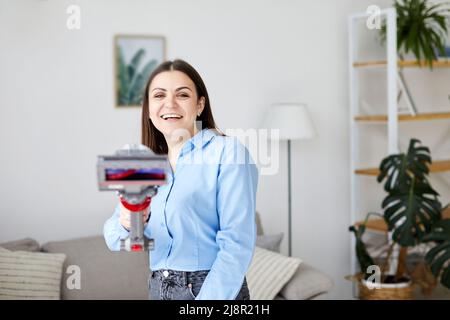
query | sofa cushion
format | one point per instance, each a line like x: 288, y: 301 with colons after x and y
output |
x: 26, y: 244
x: 268, y: 273
x: 306, y: 283
x: 270, y: 241
x: 30, y: 275
x: 103, y: 274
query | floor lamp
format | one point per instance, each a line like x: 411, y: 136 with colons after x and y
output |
x: 294, y: 122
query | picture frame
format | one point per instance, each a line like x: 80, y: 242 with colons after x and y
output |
x: 135, y: 58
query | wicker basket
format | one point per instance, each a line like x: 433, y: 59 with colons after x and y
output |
x: 400, y: 291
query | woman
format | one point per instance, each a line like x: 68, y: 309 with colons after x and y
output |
x: 203, y: 219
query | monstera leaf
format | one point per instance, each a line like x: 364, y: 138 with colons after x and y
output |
x: 412, y: 206
x: 410, y: 215
x: 438, y: 258
x: 399, y: 168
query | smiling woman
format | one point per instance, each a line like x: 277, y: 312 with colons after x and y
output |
x: 203, y: 219
x: 174, y: 90
x: 173, y: 105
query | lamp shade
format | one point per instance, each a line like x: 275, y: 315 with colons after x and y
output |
x: 292, y: 119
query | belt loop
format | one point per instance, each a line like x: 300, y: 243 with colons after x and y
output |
x: 186, y: 280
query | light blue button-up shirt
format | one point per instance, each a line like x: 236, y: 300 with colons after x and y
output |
x: 204, y: 217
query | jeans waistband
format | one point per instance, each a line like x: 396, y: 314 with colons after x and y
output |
x: 181, y: 276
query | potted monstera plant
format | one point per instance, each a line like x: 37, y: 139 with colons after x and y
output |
x: 413, y: 214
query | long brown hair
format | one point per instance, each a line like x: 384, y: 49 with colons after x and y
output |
x: 152, y: 137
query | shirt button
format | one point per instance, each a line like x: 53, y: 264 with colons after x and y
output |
x: 165, y: 273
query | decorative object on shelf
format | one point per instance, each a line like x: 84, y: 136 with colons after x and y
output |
x: 445, y: 54
x: 135, y: 57
x: 422, y: 29
x: 414, y: 216
x: 294, y: 122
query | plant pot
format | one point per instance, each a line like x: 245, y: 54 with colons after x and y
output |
x: 386, y: 291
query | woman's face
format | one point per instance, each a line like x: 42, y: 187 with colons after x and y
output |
x: 173, y: 103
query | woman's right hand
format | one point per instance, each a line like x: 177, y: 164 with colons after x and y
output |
x: 124, y: 218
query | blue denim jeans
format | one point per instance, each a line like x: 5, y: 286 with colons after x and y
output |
x: 181, y: 285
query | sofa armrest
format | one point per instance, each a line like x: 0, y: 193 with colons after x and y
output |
x: 306, y: 283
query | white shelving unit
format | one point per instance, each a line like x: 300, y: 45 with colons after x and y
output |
x: 392, y: 116
x: 392, y: 121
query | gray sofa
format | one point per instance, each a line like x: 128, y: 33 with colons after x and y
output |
x: 123, y: 275
x: 110, y: 275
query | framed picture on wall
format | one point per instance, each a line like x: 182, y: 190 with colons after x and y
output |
x: 135, y: 57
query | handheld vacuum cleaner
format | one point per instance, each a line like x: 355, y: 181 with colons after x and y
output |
x: 135, y: 173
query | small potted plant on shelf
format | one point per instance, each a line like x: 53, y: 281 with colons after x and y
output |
x: 414, y: 216
x: 422, y: 29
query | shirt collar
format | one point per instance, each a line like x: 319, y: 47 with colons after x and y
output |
x: 199, y: 140
x: 202, y: 137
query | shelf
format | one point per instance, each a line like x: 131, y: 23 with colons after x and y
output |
x: 389, y: 115
x: 436, y: 166
x: 403, y: 63
x: 381, y: 226
x: 406, y: 117
x: 374, y: 225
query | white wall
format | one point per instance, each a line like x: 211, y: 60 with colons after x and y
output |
x: 57, y: 110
